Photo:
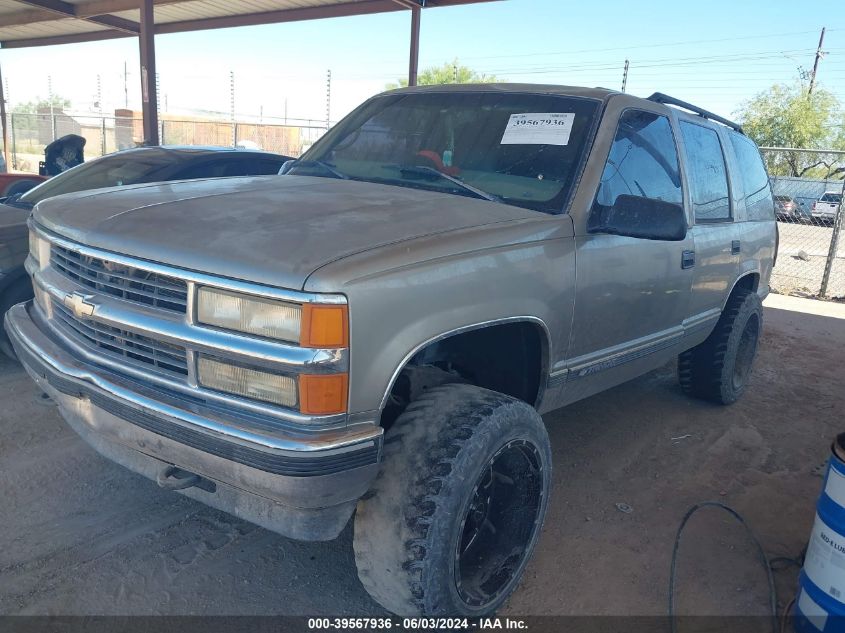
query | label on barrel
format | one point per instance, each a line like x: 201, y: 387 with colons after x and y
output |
x: 825, y: 560
x: 812, y: 611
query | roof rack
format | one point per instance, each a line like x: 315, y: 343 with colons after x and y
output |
x: 659, y: 97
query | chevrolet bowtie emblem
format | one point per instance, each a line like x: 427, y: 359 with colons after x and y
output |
x: 79, y: 304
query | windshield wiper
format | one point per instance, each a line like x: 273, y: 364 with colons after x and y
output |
x: 319, y: 163
x: 423, y: 170
x: 15, y: 201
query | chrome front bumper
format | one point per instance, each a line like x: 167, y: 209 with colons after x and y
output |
x: 304, y: 486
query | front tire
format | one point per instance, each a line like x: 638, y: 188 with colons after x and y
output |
x: 718, y: 369
x: 458, y: 506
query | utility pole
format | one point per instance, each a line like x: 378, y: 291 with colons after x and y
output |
x: 52, y: 114
x: 125, y: 86
x: 328, y: 99
x: 819, y: 55
x: 455, y: 69
x: 232, y: 107
x: 99, y: 95
x: 625, y: 76
x: 3, y: 96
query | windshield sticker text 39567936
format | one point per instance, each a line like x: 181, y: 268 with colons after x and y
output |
x: 538, y: 128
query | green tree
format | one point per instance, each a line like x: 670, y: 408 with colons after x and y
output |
x: 31, y: 107
x: 448, y: 73
x: 786, y: 116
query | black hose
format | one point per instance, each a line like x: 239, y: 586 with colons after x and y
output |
x: 763, y: 560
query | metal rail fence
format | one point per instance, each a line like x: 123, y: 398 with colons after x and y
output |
x: 808, y: 186
x: 29, y: 134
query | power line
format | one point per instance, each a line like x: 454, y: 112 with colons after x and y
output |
x: 641, y: 46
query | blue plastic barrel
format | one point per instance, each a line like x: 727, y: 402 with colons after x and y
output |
x: 820, y: 604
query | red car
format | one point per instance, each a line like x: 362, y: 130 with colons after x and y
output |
x: 11, y: 184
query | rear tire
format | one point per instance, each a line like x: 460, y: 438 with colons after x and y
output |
x: 719, y: 368
x: 457, y: 508
x: 18, y: 291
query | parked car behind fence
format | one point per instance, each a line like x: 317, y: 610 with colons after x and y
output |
x: 128, y: 167
x: 786, y: 209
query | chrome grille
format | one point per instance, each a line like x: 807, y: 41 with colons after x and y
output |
x: 116, y: 341
x: 118, y: 280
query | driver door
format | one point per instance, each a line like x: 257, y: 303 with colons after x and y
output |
x: 632, y: 294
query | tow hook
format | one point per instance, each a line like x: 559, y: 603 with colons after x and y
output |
x: 175, y: 478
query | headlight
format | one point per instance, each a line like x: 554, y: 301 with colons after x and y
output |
x: 247, y: 382
x: 308, y: 325
x: 39, y: 249
x: 251, y: 315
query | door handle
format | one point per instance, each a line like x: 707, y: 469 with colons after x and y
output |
x: 687, y: 259
x: 736, y: 247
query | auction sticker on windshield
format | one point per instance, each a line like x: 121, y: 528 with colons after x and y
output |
x: 539, y: 128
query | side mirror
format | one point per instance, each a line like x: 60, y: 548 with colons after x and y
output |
x: 643, y: 218
x: 286, y: 166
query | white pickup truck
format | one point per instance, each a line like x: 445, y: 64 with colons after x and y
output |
x: 826, y: 207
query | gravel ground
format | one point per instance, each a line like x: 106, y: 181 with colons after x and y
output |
x: 802, y: 254
x: 83, y: 536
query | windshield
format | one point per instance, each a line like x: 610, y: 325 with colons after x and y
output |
x: 522, y: 149
x: 121, y: 168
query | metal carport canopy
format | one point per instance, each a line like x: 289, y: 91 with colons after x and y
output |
x: 26, y: 23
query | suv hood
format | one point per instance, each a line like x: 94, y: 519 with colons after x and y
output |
x: 274, y: 230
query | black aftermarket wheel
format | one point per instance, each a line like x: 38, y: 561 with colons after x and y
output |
x: 457, y: 509
x: 718, y: 370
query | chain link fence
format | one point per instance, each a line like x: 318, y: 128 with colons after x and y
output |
x: 29, y: 134
x: 808, y: 186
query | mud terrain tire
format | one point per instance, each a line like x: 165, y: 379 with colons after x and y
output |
x: 719, y: 368
x: 458, y: 460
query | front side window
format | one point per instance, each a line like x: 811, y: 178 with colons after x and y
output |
x: 707, y: 175
x: 520, y: 149
x: 755, y: 181
x: 643, y: 162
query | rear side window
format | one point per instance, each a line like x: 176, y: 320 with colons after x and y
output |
x: 643, y: 161
x: 707, y: 174
x: 755, y: 180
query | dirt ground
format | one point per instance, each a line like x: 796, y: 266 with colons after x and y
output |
x: 83, y: 536
x: 802, y: 255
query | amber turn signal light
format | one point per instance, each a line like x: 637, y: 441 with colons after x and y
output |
x: 323, y: 394
x: 324, y: 326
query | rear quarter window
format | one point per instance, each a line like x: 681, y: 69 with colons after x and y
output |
x: 754, y: 179
x: 707, y: 173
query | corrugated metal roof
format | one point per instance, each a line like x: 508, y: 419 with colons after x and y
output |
x: 42, y: 22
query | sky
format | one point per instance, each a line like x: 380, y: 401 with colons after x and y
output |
x: 715, y: 54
